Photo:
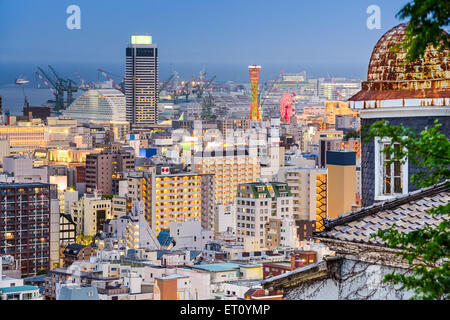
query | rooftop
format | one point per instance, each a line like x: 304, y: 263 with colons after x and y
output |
x: 218, y: 267
x: 390, y: 78
x: 18, y: 289
x: 409, y: 213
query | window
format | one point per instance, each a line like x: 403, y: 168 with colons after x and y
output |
x: 392, y: 175
x: 391, y: 179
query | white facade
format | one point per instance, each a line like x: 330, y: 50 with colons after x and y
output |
x: 23, y: 170
x: 189, y: 235
x: 86, y: 212
x: 98, y: 105
x: 224, y: 218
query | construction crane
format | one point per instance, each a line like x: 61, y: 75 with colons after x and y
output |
x: 46, y: 83
x: 115, y: 85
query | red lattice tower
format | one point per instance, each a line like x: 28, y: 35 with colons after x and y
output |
x: 255, y: 110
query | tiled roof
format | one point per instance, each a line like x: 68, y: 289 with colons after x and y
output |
x: 408, y: 213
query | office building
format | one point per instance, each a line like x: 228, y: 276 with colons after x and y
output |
x: 141, y: 81
x: 102, y: 167
x: 90, y: 213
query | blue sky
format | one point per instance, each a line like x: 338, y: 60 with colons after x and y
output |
x: 195, y: 31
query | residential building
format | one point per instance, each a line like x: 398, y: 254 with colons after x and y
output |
x: 67, y: 230
x: 189, y: 235
x: 230, y: 168
x: 309, y: 192
x: 20, y: 169
x: 256, y: 203
x: 15, y: 289
x: 298, y: 259
x: 281, y: 232
x: 170, y: 197
x: 27, y: 242
x: 76, y: 252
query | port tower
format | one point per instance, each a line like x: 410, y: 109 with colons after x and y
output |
x: 255, y: 109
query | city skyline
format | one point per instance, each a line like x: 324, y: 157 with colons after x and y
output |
x: 224, y: 151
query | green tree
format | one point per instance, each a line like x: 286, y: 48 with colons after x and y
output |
x: 107, y: 196
x: 84, y: 240
x: 41, y: 272
x: 426, y: 18
x: 427, y: 250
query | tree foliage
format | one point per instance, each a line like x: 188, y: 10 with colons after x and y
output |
x: 427, y: 251
x: 84, y: 240
x: 426, y: 18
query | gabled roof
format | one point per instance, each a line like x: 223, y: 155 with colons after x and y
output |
x: 408, y: 213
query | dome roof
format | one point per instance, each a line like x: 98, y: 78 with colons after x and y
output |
x: 389, y: 76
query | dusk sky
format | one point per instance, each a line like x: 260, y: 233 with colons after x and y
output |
x: 322, y: 36
x: 195, y: 31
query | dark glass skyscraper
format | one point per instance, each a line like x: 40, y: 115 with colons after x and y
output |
x: 141, y: 81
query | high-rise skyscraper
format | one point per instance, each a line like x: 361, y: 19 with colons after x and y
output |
x: 141, y: 81
x: 255, y: 109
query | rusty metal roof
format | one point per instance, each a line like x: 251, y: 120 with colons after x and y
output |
x: 389, y: 76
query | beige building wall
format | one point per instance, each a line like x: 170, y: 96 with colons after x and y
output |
x: 341, y: 189
x: 229, y: 171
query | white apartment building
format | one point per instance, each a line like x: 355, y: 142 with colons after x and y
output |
x: 256, y: 203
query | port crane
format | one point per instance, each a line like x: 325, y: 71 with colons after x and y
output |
x: 186, y: 90
x: 57, y: 86
x: 200, y: 89
x: 106, y: 75
x: 165, y: 83
x: 69, y: 86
